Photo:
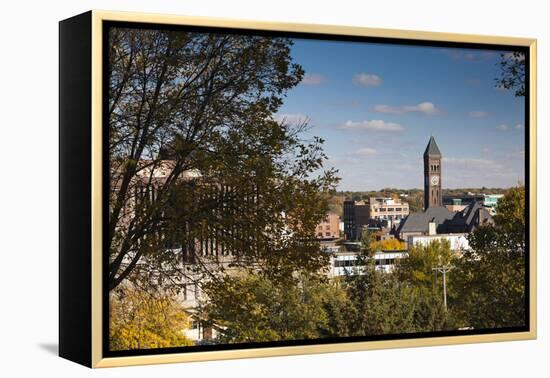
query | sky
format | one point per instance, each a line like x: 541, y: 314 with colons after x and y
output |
x: 376, y: 106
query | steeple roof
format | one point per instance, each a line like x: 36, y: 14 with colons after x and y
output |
x: 431, y: 148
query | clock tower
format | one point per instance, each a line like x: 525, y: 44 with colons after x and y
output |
x: 432, y: 175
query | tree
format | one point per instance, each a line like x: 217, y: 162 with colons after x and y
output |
x: 388, y: 245
x: 417, y: 272
x: 380, y: 304
x: 512, y: 72
x: 140, y: 320
x: 196, y: 158
x: 416, y: 201
x: 418, y: 266
x: 253, y: 308
x: 490, y: 277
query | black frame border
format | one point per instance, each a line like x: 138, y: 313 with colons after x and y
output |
x: 106, y: 25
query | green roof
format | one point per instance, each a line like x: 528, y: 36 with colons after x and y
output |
x: 432, y: 148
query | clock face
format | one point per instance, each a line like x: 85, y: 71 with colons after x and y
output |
x: 435, y: 180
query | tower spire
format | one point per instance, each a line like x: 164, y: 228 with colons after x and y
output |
x: 432, y: 148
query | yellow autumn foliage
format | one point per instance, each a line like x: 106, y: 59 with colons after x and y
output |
x: 387, y: 245
x: 140, y: 320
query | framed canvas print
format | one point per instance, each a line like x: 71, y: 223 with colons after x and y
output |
x: 234, y: 189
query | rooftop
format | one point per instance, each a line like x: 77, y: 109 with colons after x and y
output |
x: 446, y: 220
x: 431, y: 148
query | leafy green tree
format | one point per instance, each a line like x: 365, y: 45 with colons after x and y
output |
x: 252, y: 308
x: 418, y: 267
x: 338, y: 308
x: 425, y: 284
x: 140, y: 320
x: 380, y: 304
x: 490, y: 277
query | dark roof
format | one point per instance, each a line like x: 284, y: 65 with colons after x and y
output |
x: 419, y: 222
x: 467, y: 219
x: 446, y: 220
x: 431, y: 148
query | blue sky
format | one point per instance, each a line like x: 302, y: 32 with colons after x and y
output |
x: 376, y: 106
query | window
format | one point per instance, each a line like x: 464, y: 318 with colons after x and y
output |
x: 327, y: 233
x: 327, y: 227
x: 344, y: 263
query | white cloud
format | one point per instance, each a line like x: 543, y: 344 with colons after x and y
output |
x: 424, y: 107
x: 373, y: 125
x: 478, y: 114
x: 407, y: 167
x: 344, y: 161
x: 313, y: 79
x: 292, y: 118
x: 476, y: 172
x: 486, y: 150
x: 470, y: 162
x: 516, y: 154
x: 366, y: 151
x: 505, y: 127
x: 367, y: 80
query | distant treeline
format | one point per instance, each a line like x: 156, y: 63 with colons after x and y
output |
x: 414, y: 197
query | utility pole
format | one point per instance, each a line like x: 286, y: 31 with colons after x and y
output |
x: 444, y: 269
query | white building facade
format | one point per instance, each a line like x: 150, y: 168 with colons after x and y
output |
x: 458, y: 242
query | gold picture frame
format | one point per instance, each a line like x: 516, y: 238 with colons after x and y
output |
x: 93, y: 263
